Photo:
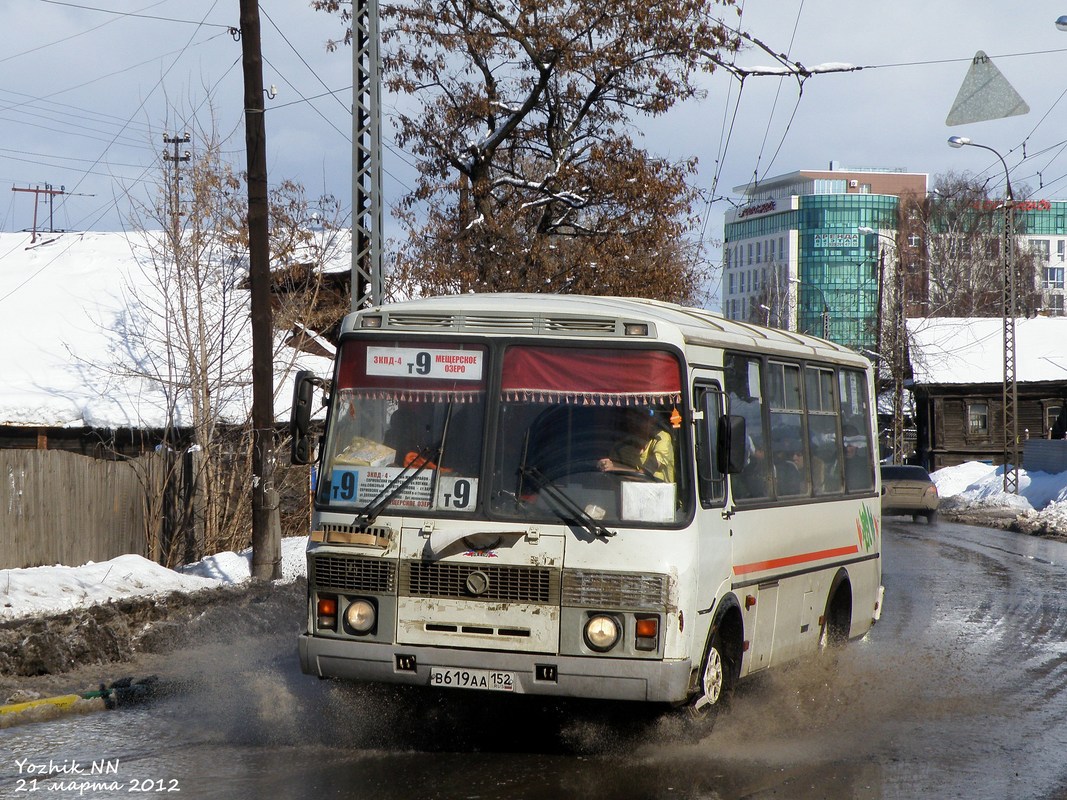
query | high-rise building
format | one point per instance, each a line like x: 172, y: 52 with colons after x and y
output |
x: 817, y: 250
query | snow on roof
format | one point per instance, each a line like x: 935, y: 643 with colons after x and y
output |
x: 68, y: 305
x: 949, y: 350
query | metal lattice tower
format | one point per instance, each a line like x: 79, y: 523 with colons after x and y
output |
x: 366, y: 156
x: 1011, y: 398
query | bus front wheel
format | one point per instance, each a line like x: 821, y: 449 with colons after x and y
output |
x: 716, y: 679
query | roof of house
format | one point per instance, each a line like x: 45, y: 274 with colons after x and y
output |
x: 950, y: 350
x: 76, y: 312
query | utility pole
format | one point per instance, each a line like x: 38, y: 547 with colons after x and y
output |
x: 175, y: 186
x: 266, y: 528
x: 48, y: 192
x: 366, y: 155
x: 1010, y: 388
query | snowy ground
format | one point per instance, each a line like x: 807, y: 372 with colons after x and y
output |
x: 971, y: 488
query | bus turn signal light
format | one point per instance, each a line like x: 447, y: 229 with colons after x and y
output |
x: 647, y: 627
x: 646, y: 633
x: 327, y: 613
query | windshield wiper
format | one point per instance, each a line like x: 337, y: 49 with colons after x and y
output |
x: 569, y: 506
x: 366, y: 515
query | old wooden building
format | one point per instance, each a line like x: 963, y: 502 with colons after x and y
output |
x: 958, y: 369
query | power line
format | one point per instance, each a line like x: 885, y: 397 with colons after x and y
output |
x: 137, y: 15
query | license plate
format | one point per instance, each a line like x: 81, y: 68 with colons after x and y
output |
x: 490, y: 679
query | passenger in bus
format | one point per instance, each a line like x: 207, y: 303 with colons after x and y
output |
x: 826, y: 472
x: 647, y: 448
x: 790, y: 472
x: 752, y: 482
x: 858, y: 473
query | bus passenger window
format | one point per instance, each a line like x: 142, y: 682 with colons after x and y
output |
x: 859, y: 461
x: 791, y: 472
x: 824, y: 439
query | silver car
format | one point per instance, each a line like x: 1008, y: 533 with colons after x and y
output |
x: 909, y: 490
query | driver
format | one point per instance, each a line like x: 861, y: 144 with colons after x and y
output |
x: 647, y: 449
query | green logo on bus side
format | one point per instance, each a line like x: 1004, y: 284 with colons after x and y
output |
x: 867, y: 528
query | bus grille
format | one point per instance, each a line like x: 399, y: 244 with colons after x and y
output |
x: 512, y: 584
x: 354, y: 574
x: 635, y: 591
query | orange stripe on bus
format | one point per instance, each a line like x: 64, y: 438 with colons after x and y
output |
x: 788, y: 561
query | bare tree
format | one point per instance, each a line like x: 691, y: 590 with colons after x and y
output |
x: 186, y: 335
x: 965, y: 239
x: 529, y: 174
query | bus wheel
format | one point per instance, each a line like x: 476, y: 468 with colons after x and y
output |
x: 715, y: 680
x: 837, y: 618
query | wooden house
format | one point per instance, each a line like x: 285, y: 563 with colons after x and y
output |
x: 958, y: 381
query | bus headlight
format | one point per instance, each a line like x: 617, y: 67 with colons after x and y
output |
x: 360, y: 616
x: 602, y: 632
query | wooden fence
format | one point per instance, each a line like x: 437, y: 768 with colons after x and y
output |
x: 63, y: 508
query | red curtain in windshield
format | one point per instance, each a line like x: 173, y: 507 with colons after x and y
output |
x: 590, y: 377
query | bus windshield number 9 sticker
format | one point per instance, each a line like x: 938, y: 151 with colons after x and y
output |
x: 361, y: 486
x: 412, y: 362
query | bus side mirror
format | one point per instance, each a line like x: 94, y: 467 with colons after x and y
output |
x: 302, y: 443
x: 732, y: 439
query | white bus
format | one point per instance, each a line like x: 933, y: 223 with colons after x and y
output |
x: 585, y: 496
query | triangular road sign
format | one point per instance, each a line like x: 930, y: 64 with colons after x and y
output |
x: 985, y: 94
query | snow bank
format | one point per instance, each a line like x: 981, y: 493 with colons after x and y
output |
x: 39, y: 591
x: 1042, y: 497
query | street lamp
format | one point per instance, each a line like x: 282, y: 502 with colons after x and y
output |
x: 1010, y: 390
x: 825, y: 306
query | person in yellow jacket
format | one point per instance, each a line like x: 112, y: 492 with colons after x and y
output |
x: 649, y: 450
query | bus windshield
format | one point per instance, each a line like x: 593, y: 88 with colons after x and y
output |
x: 405, y: 427
x: 591, y: 429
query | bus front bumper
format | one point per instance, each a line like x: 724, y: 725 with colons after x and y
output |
x: 565, y: 676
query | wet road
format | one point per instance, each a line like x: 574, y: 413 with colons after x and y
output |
x: 957, y: 692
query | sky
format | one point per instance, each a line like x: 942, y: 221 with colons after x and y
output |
x: 38, y: 591
x: 87, y: 96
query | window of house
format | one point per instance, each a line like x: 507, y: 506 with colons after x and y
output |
x: 750, y: 252
x: 1054, y: 277
x: 1061, y: 248
x: 1040, y: 248
x: 731, y: 283
x: 1052, y: 413
x: 759, y: 247
x: 1055, y: 305
x: 978, y: 419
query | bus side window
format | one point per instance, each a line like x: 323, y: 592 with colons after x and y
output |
x: 710, y: 481
x: 856, y: 431
x: 824, y: 438
x: 792, y: 474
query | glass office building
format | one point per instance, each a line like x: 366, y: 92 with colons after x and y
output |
x: 812, y: 250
